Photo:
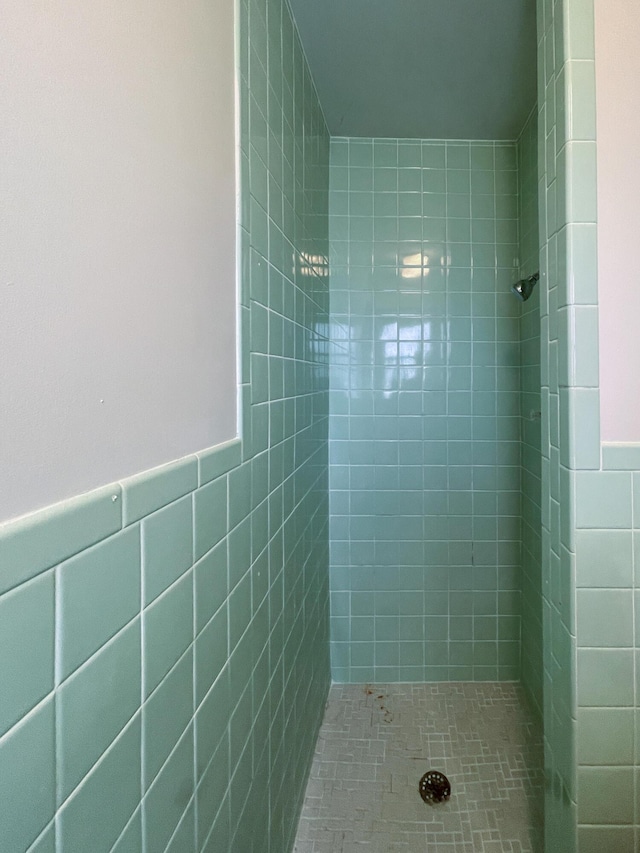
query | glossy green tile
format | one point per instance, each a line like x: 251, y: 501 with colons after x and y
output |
x: 165, y: 716
x: 581, y: 181
x: 580, y: 428
x: 433, y: 154
x: 605, y: 678
x: 605, y: 795
x: 46, y: 843
x: 605, y: 618
x: 605, y: 736
x: 212, y: 719
x: 211, y: 790
x: 26, y: 641
x: 409, y: 153
x: 167, y: 547
x: 385, y: 153
x: 211, y: 651
x: 636, y: 500
x: 620, y: 456
x: 27, y: 780
x: 219, y: 837
x: 211, y: 584
x: 151, y: 490
x: 581, y: 117
x: 581, y: 264
x: 595, y: 839
x: 583, y: 361
x: 604, y: 558
x: 110, y: 794
x: 98, y: 592
x: 578, y: 31
x: 594, y: 512
x: 131, y: 839
x: 210, y: 515
x: 239, y: 494
x: 184, y: 839
x: 36, y: 542
x: 169, y: 795
x: 94, y: 705
x: 167, y: 631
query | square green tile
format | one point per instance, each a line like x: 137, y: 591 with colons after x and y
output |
x: 605, y: 736
x: 27, y: 775
x: 98, y: 592
x: 605, y: 678
x: 605, y: 618
x: 27, y: 648
x: 94, y: 705
x: 605, y: 795
x: 165, y: 716
x: 110, y: 794
x: 131, y: 839
x: 167, y: 546
x: 210, y: 515
x: 603, y: 500
x: 169, y: 795
x: 167, y: 631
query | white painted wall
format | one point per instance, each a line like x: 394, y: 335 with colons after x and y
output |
x: 618, y: 127
x: 117, y: 240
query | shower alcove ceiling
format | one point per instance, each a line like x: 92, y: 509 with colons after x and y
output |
x: 422, y: 68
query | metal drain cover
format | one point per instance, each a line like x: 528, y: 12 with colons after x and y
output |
x: 434, y: 787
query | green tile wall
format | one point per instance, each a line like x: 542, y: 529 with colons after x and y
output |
x: 531, y: 415
x: 164, y: 652
x: 589, y: 558
x: 607, y: 631
x: 425, y: 406
x: 557, y: 496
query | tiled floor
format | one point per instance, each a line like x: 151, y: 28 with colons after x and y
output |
x: 377, y: 741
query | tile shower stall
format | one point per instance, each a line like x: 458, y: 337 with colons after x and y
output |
x: 417, y: 495
x: 425, y: 421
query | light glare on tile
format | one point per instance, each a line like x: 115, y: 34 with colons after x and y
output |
x: 413, y: 265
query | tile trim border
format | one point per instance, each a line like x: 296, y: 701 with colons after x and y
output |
x: 33, y: 543
x: 620, y: 456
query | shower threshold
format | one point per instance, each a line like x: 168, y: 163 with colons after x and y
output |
x: 377, y: 742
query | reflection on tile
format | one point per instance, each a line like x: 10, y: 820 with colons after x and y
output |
x: 426, y: 401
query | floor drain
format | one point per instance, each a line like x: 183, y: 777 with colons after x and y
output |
x: 434, y: 787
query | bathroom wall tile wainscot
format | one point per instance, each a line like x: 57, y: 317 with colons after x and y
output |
x: 164, y: 640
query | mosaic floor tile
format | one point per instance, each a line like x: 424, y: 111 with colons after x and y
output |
x: 377, y: 741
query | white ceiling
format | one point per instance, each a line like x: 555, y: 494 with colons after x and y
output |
x: 436, y: 69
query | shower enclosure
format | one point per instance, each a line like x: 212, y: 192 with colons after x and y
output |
x: 434, y: 448
x: 465, y: 457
